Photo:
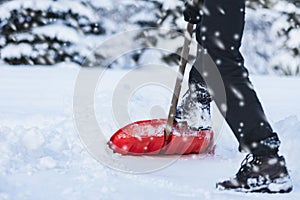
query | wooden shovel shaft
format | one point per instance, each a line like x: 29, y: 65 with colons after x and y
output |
x: 178, y: 84
x: 183, y: 62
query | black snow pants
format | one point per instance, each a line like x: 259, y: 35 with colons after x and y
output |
x: 219, y: 33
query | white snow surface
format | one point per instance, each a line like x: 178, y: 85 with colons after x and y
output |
x: 42, y: 156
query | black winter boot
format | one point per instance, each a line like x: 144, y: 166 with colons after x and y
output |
x: 194, y: 109
x: 260, y: 174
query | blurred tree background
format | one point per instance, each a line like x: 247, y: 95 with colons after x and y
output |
x: 47, y: 32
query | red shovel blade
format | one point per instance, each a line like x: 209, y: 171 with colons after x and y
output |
x: 148, y: 138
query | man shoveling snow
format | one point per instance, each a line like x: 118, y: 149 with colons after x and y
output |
x: 220, y: 25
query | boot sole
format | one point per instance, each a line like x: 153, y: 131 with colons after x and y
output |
x: 280, y: 185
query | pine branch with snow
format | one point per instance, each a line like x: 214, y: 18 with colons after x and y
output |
x: 284, y: 32
x: 54, y: 30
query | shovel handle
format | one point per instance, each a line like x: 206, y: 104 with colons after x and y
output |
x: 180, y: 75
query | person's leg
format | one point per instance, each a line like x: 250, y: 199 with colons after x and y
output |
x: 220, y: 33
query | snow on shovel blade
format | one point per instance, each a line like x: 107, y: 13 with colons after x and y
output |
x: 148, y: 138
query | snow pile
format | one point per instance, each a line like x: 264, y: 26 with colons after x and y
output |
x: 34, y: 148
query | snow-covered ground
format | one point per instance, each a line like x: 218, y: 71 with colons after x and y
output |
x: 42, y: 157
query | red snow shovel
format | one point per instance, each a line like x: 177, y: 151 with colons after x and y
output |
x: 163, y: 136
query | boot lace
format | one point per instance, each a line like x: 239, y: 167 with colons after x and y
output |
x: 246, y: 166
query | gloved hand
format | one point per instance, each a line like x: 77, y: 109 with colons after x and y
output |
x: 191, y: 13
